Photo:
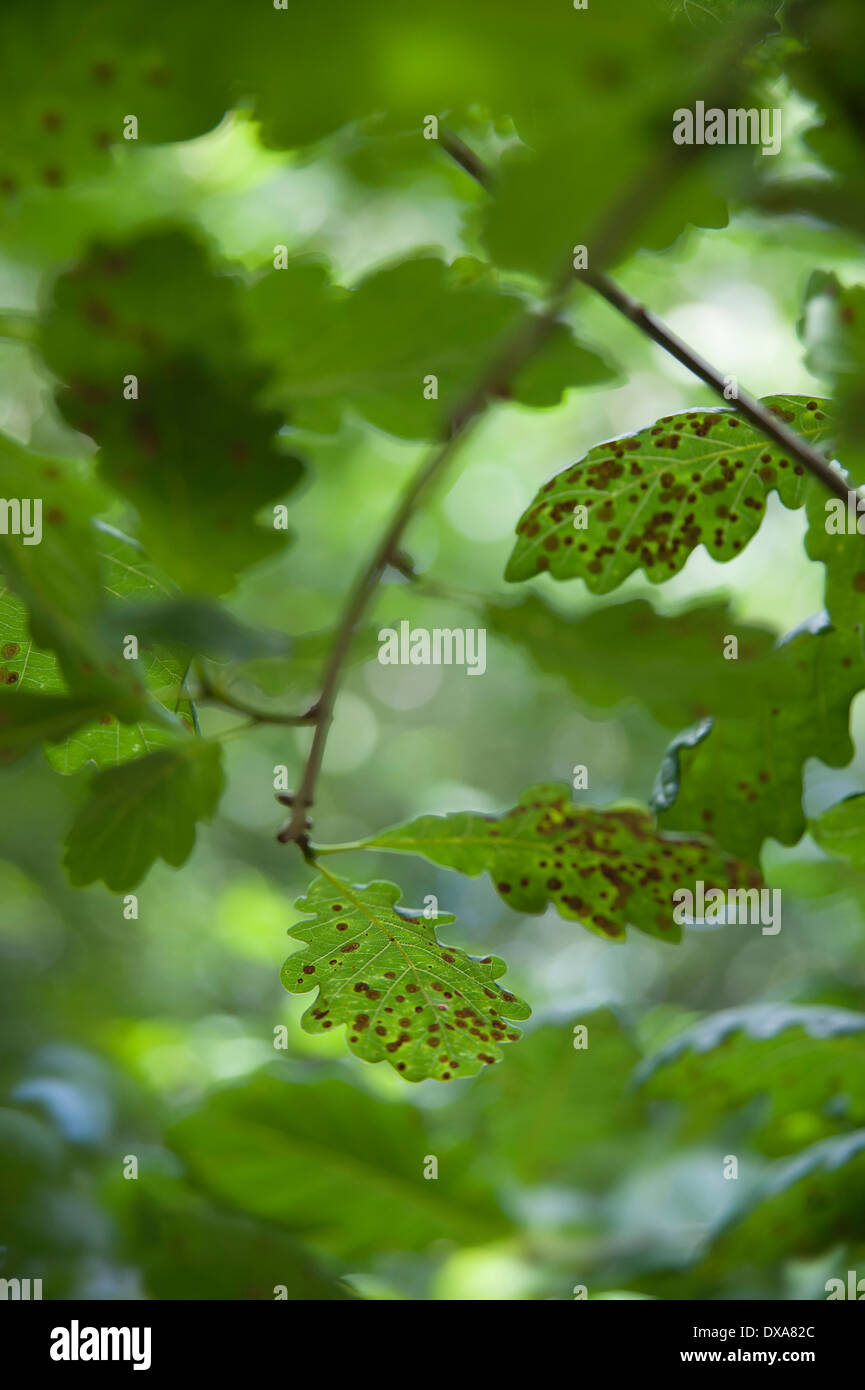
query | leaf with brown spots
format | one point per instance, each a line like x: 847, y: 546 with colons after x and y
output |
x: 605, y: 868
x: 740, y: 779
x: 194, y: 452
x: 427, y: 1009
x: 699, y: 477
x: 842, y: 551
x: 77, y: 70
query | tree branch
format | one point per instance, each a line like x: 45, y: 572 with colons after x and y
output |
x: 531, y: 334
x: 648, y: 323
x: 214, y: 694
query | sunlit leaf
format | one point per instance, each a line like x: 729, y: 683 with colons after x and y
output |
x: 605, y: 868
x: 428, y: 1009
x: 650, y: 499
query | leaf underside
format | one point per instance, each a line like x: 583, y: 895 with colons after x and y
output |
x: 696, y: 477
x: 604, y: 868
x: 428, y: 1009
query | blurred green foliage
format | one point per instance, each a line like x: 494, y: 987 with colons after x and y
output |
x: 230, y: 317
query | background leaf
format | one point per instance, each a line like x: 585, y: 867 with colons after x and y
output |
x: 334, y: 1164
x: 800, y: 1058
x: 144, y: 810
x: 801, y: 711
x: 671, y: 663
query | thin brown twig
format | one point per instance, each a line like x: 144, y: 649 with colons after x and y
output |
x: 212, y: 693
x: 532, y: 332
x: 648, y: 323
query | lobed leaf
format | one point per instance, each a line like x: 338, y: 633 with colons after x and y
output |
x: 370, y: 350
x: 698, y: 477
x: 141, y: 811
x: 671, y: 663
x: 605, y: 868
x: 124, y: 572
x: 800, y: 1057
x: 192, y: 451
x: 740, y: 778
x: 428, y: 1009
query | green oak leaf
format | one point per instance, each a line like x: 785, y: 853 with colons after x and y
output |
x: 671, y: 663
x: 27, y: 720
x: 842, y: 551
x: 141, y: 811
x: 840, y: 830
x: 125, y: 572
x: 58, y: 580
x: 833, y: 329
x: 605, y: 868
x: 802, y: 1205
x: 698, y: 477
x: 825, y: 66
x: 428, y: 1009
x: 799, y: 1057
x: 191, y: 1248
x: 561, y: 1111
x: 191, y: 449
x: 740, y: 777
x: 371, y: 350
x: 337, y: 1165
x: 77, y: 73
x: 197, y: 461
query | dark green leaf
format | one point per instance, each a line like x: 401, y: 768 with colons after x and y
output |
x: 192, y: 450
x: 335, y: 1165
x: 802, y: 1057
x: 144, y: 810
x: 741, y: 780
x: 673, y: 664
x: 371, y: 350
